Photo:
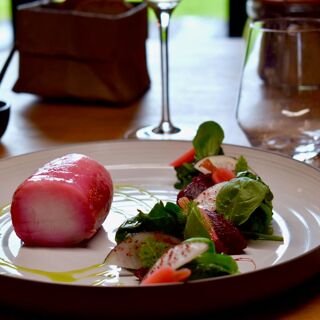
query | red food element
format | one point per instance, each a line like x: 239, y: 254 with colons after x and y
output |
x: 210, y: 228
x: 208, y: 165
x: 196, y: 186
x: 167, y: 275
x: 222, y: 174
x: 186, y: 157
x: 63, y: 203
x: 226, y: 236
x: 141, y: 273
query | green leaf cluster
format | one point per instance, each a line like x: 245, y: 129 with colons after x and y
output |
x: 210, y: 263
x: 239, y: 198
x: 168, y: 219
x: 247, y: 202
x: 184, y: 174
x: 207, y: 142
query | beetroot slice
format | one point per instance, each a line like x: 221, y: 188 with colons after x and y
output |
x: 230, y: 239
x: 196, y: 186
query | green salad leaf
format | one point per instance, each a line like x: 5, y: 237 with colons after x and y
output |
x: 259, y: 225
x: 185, y: 173
x: 196, y: 225
x: 211, y: 264
x: 241, y: 165
x: 208, y: 140
x: 260, y: 221
x: 239, y: 198
x: 168, y: 219
x: 247, y: 202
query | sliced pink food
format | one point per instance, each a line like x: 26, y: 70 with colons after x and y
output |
x: 63, y: 203
x: 167, y: 275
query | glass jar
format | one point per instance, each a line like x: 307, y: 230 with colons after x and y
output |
x: 260, y: 9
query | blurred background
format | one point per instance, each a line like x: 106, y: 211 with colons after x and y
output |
x: 227, y: 17
x: 6, y: 34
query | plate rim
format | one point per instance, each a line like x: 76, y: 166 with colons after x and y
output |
x: 115, y: 141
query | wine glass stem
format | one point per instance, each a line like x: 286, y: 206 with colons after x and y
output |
x: 163, y: 17
x: 164, y: 21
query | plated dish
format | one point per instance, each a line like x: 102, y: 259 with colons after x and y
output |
x: 142, y: 176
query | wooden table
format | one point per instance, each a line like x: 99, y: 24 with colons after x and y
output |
x: 201, y: 71
x: 205, y: 74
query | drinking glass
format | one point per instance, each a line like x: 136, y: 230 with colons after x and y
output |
x: 279, y: 98
x: 165, y: 130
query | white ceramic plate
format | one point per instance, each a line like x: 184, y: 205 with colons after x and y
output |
x: 142, y: 176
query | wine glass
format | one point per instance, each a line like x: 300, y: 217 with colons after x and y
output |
x: 165, y: 130
x: 279, y: 99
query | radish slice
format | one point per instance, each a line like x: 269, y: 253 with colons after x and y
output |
x: 180, y: 255
x: 207, y: 198
x: 217, y: 161
x: 63, y: 203
x: 126, y: 253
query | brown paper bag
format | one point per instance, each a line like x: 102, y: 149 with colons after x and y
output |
x: 90, y: 50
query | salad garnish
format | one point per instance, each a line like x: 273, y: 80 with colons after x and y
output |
x: 244, y: 199
x: 222, y: 204
x: 166, y: 218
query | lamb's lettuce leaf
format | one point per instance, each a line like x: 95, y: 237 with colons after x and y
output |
x: 208, y: 140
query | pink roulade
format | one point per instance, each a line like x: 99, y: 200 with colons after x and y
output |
x: 63, y: 203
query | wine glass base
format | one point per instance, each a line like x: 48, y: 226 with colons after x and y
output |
x: 149, y: 133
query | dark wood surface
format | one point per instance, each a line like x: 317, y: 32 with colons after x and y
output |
x: 205, y: 74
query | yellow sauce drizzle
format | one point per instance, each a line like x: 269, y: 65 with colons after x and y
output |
x: 5, y: 209
x: 65, y: 276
